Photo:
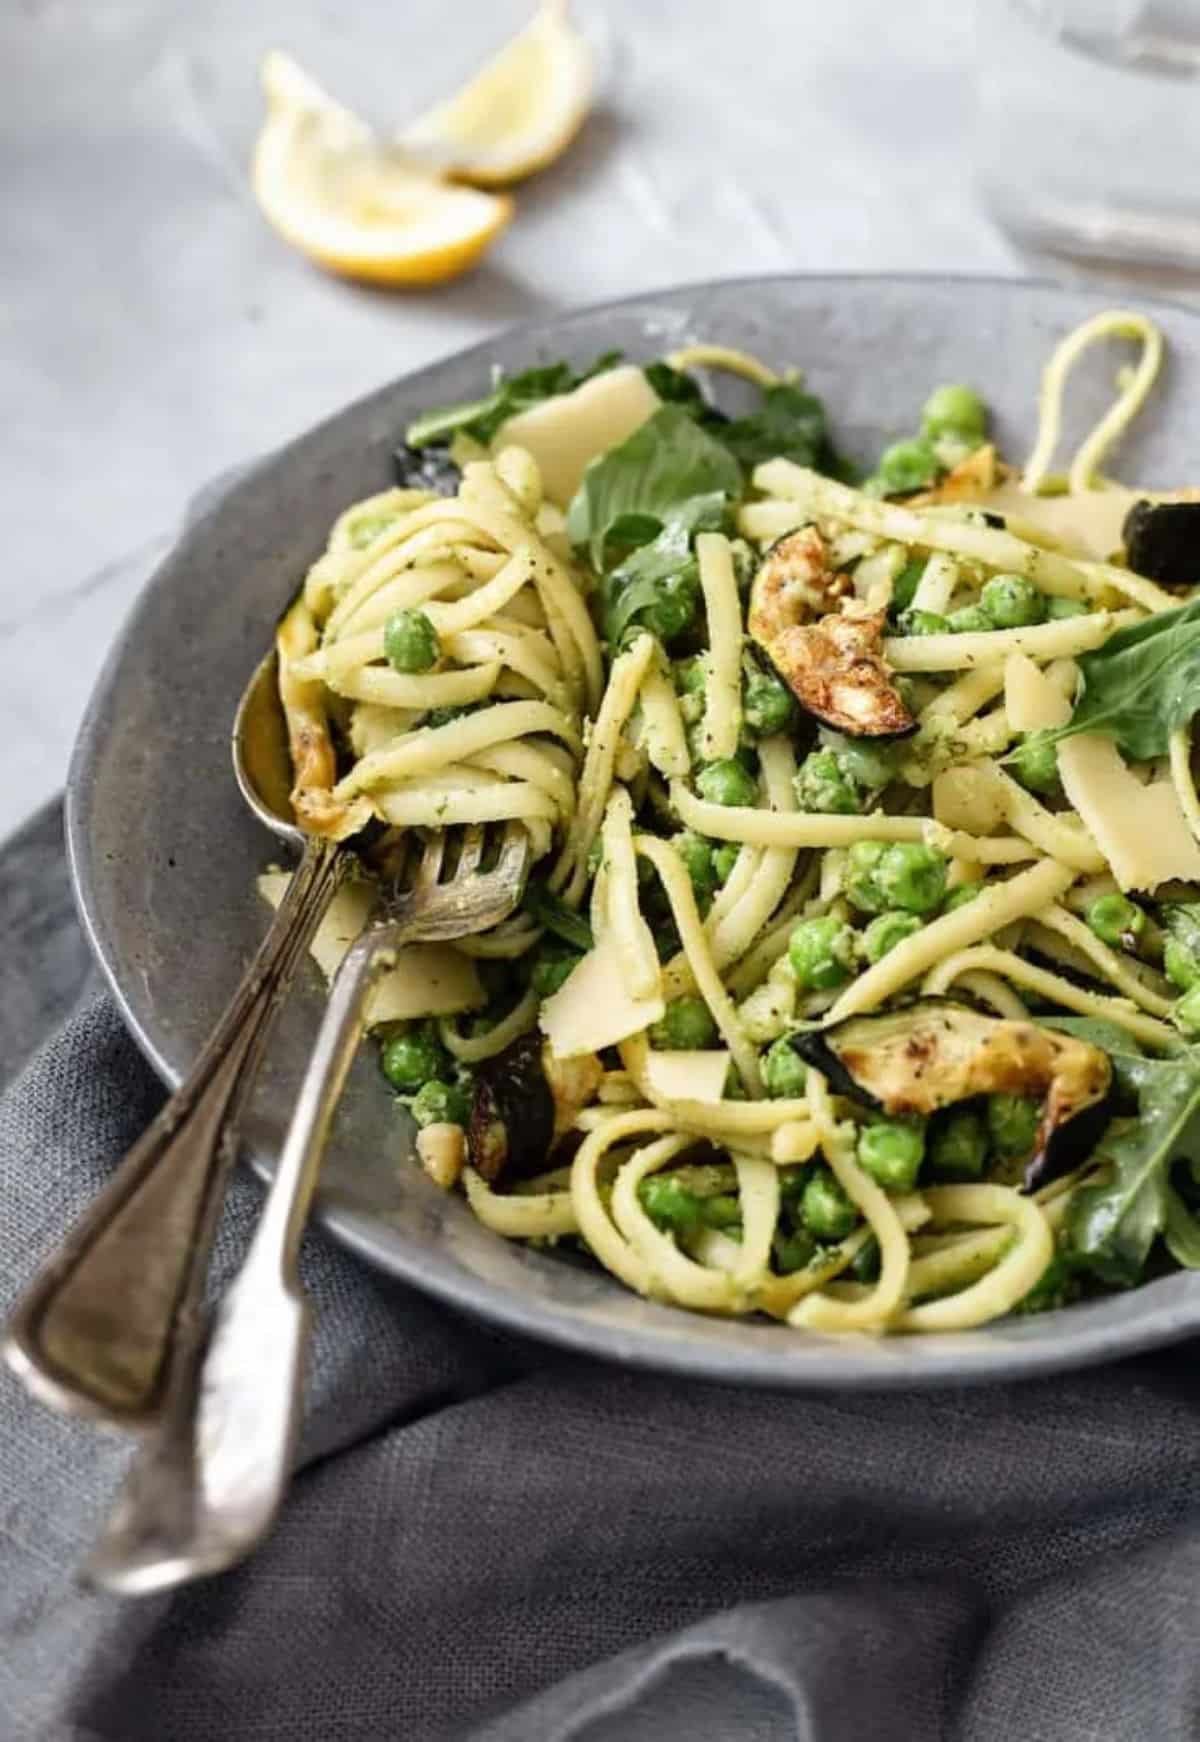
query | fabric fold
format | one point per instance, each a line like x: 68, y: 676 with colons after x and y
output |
x: 492, y: 1541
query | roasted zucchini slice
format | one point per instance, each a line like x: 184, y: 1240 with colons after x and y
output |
x: 794, y: 584
x: 832, y: 660
x: 1162, y: 542
x: 524, y: 1101
x: 936, y: 1052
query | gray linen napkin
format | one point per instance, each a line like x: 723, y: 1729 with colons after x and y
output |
x: 489, y: 1541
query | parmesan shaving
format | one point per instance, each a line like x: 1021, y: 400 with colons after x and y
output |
x: 427, y: 979
x: 1141, y: 830
x: 564, y: 433
x: 1032, y: 701
x: 594, y: 1007
x: 687, y: 1076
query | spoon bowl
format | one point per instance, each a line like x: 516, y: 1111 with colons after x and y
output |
x: 261, y: 759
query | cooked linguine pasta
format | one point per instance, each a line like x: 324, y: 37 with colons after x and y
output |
x: 854, y: 985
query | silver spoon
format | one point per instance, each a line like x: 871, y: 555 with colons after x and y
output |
x: 208, y: 1485
x: 111, y: 1320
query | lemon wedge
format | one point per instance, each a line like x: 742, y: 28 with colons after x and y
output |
x: 354, y: 205
x: 519, y: 113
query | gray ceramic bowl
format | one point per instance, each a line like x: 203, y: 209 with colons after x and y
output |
x: 165, y: 856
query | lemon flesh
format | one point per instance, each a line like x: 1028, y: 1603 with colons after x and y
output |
x: 519, y: 113
x: 354, y: 205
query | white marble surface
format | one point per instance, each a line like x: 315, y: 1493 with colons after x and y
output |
x: 154, y: 332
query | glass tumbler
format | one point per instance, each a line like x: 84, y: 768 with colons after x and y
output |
x: 1088, y: 125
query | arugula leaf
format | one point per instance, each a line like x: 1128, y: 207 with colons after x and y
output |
x: 1141, y: 685
x: 1112, y: 1226
x: 660, y: 583
x: 557, y: 917
x: 663, y: 464
x: 790, y: 425
x: 677, y: 387
x: 1181, y: 1232
x: 481, y: 418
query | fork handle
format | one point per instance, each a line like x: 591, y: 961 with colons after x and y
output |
x: 96, y: 1331
x: 277, y: 1238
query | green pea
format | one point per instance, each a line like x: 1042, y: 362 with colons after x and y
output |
x: 783, y: 1070
x: 825, y: 1209
x: 960, y: 896
x: 669, y: 1204
x: 821, y: 952
x: 864, y: 761
x: 686, y: 1025
x: 1116, y: 920
x: 912, y: 876
x: 887, y: 930
x: 1183, y: 970
x: 861, y: 883
x: 970, y: 620
x: 891, y: 1151
x: 697, y: 855
x: 690, y: 675
x: 821, y: 785
x: 1057, y: 610
x: 954, y: 410
x: 1012, y: 602
x: 723, y: 1211
x: 1035, y: 762
x: 410, y: 641
x: 1012, y: 1122
x: 1186, y: 1013
x: 906, y: 584
x: 924, y: 623
x: 767, y: 704
x: 956, y: 1144
x: 551, y: 968
x: 441, y: 1104
x: 725, y: 857
x: 413, y: 1058
x: 906, y: 466
x: 727, y: 782
x: 793, y: 1252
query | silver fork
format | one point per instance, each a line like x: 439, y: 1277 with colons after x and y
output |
x: 208, y: 1485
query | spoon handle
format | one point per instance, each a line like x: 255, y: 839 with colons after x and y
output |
x: 208, y: 1482
x: 96, y: 1332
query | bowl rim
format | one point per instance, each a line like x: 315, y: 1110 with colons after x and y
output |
x: 1161, y: 1312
